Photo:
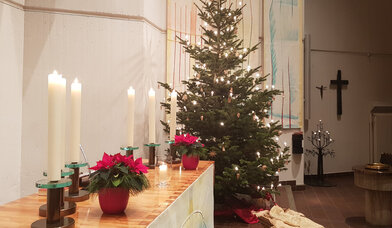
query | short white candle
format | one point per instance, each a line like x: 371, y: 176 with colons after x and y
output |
x: 76, y: 93
x: 131, y: 115
x: 55, y: 86
x: 151, y: 119
x: 173, y: 114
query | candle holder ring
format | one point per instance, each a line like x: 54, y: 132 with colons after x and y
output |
x: 129, y: 150
x: 53, y: 201
x: 75, y: 194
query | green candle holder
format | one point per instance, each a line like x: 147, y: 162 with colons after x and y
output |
x: 74, y: 194
x: 129, y: 150
x: 151, y: 156
x: 53, y: 202
x: 66, y: 208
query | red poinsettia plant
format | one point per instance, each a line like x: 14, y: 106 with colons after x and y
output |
x: 119, y: 171
x: 189, y: 145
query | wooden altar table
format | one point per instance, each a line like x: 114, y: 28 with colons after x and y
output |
x: 188, y: 197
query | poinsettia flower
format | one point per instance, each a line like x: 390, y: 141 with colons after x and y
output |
x: 106, y: 162
x: 185, y: 139
x: 139, y: 167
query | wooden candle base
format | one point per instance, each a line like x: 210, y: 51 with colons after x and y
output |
x: 62, y: 223
x: 68, y: 209
x: 81, y: 195
x: 74, y: 194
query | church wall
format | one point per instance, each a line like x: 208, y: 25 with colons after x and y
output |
x: 108, y: 53
x: 349, y: 26
x: 11, y: 76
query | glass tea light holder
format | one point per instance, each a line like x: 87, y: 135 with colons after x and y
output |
x: 162, y: 170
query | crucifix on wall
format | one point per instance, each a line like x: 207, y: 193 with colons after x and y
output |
x: 339, y: 83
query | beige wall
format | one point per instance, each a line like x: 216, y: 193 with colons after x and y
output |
x: 109, y: 46
x: 348, y: 25
x: 11, y: 76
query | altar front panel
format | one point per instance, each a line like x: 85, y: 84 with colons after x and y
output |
x: 194, y: 208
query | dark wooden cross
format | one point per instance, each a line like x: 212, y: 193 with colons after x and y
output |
x: 339, y: 84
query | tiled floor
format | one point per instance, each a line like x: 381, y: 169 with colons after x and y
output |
x: 336, y: 207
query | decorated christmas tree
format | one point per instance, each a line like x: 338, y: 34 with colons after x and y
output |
x: 227, y: 106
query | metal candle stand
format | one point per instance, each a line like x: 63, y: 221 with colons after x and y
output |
x: 129, y: 150
x: 151, y: 155
x: 66, y: 208
x: 74, y: 194
x: 174, y: 158
x: 53, y: 202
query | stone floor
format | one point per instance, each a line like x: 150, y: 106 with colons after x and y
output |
x: 336, y: 207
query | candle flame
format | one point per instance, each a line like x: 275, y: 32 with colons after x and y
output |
x: 151, y: 92
x: 131, y: 91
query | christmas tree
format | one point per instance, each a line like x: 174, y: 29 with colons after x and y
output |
x: 227, y: 106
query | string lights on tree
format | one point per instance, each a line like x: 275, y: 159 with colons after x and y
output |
x: 232, y: 119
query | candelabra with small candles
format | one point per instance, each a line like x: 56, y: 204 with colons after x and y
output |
x: 320, y: 140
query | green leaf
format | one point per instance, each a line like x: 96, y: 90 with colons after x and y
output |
x: 124, y: 169
x: 116, y: 182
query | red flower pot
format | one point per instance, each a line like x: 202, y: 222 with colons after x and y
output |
x: 113, y: 200
x: 190, y: 162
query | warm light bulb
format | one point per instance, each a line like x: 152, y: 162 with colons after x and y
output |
x: 222, y: 124
x: 194, y: 102
x: 236, y: 168
x: 216, y: 32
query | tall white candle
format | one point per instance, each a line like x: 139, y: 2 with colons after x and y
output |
x: 151, y: 119
x: 54, y: 126
x: 63, y: 92
x: 131, y: 115
x: 173, y: 114
x: 76, y: 99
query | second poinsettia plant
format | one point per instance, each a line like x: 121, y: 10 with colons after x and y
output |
x: 189, y: 145
x: 119, y: 171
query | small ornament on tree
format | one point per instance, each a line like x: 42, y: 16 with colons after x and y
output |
x: 223, y: 69
x: 320, y: 140
x: 201, y: 118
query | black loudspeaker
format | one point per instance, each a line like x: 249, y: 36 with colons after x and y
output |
x: 297, y: 138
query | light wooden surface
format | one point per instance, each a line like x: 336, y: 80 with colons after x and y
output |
x: 378, y: 194
x: 141, y: 211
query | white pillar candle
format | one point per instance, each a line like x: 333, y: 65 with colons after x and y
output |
x: 131, y: 115
x: 55, y: 83
x: 151, y: 119
x: 76, y: 96
x: 173, y: 114
x: 63, y: 89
